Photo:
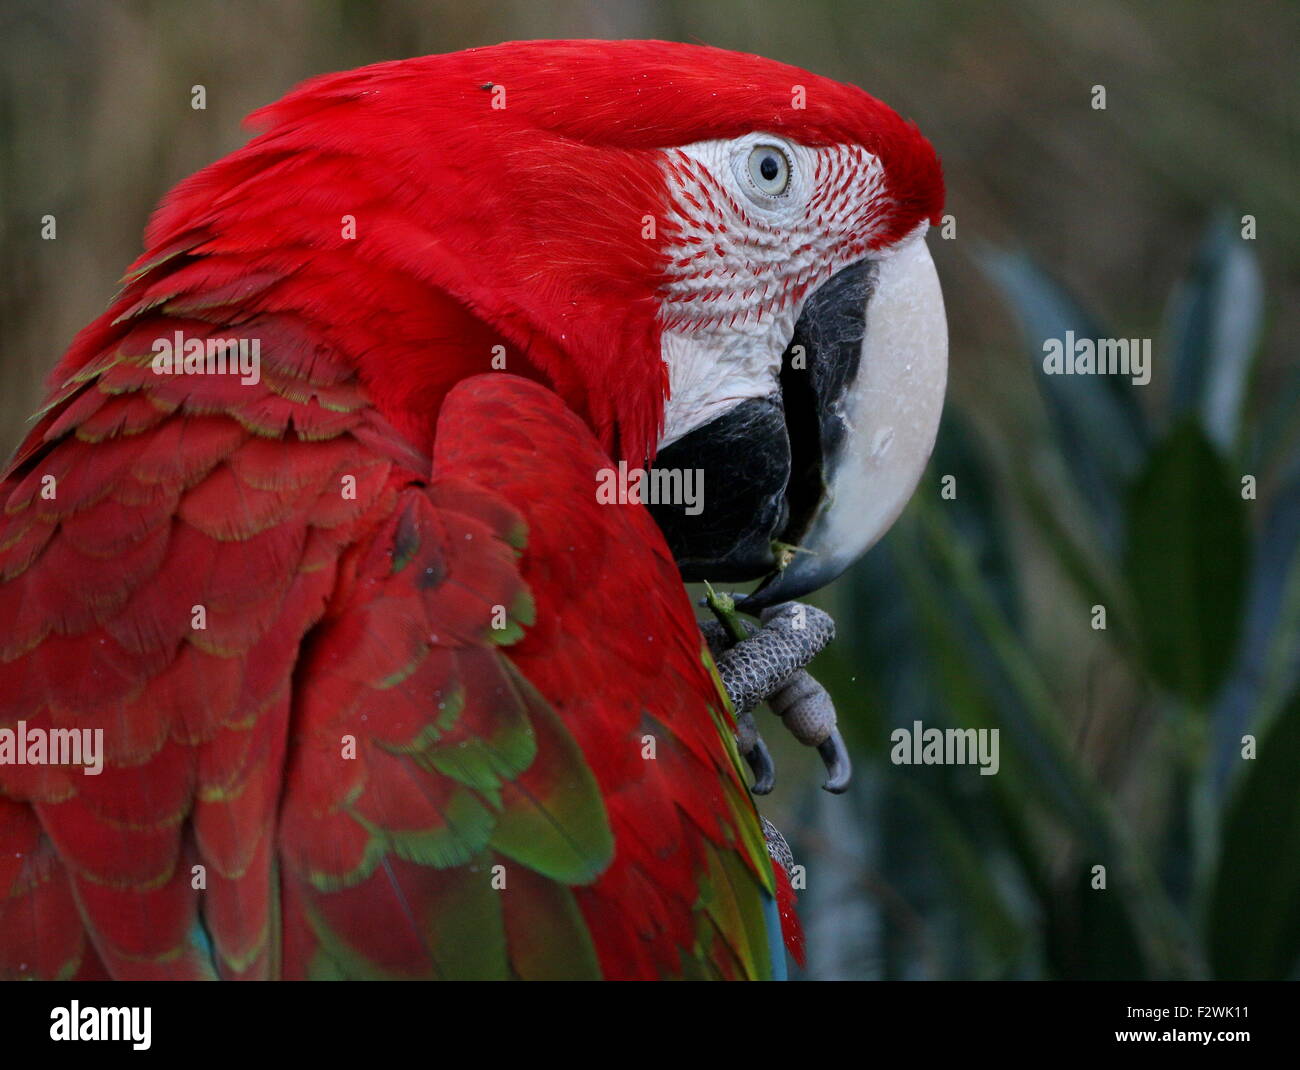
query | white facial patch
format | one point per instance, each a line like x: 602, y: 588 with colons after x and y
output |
x: 742, y: 262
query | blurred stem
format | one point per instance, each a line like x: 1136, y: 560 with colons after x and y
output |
x: 1189, y: 724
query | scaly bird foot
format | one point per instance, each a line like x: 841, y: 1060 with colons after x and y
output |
x: 777, y: 849
x: 769, y: 666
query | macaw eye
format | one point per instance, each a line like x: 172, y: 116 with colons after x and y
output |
x: 769, y: 169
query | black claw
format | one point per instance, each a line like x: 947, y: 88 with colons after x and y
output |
x: 761, y: 765
x: 838, y: 767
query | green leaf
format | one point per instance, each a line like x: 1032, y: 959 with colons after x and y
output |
x: 1096, y: 418
x: 1185, y: 559
x: 995, y: 930
x: 1273, y: 440
x: 975, y: 512
x: 1091, y: 932
x: 1089, y: 572
x: 1036, y: 754
x: 1264, y: 670
x: 1214, y: 322
x: 1253, y: 922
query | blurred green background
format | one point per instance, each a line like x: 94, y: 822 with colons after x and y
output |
x: 1119, y: 747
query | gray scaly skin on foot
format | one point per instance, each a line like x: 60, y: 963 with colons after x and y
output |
x: 769, y: 665
x: 777, y: 849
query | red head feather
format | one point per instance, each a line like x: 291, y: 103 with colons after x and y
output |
x: 478, y: 226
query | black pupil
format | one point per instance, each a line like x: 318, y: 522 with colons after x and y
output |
x: 769, y: 168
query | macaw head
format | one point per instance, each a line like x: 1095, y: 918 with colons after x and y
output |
x: 717, y: 260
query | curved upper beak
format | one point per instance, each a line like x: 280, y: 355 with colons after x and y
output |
x: 878, y: 434
x: 800, y: 484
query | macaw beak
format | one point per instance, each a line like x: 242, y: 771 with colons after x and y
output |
x: 799, y: 484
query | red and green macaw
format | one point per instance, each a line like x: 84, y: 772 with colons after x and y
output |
x: 382, y: 688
